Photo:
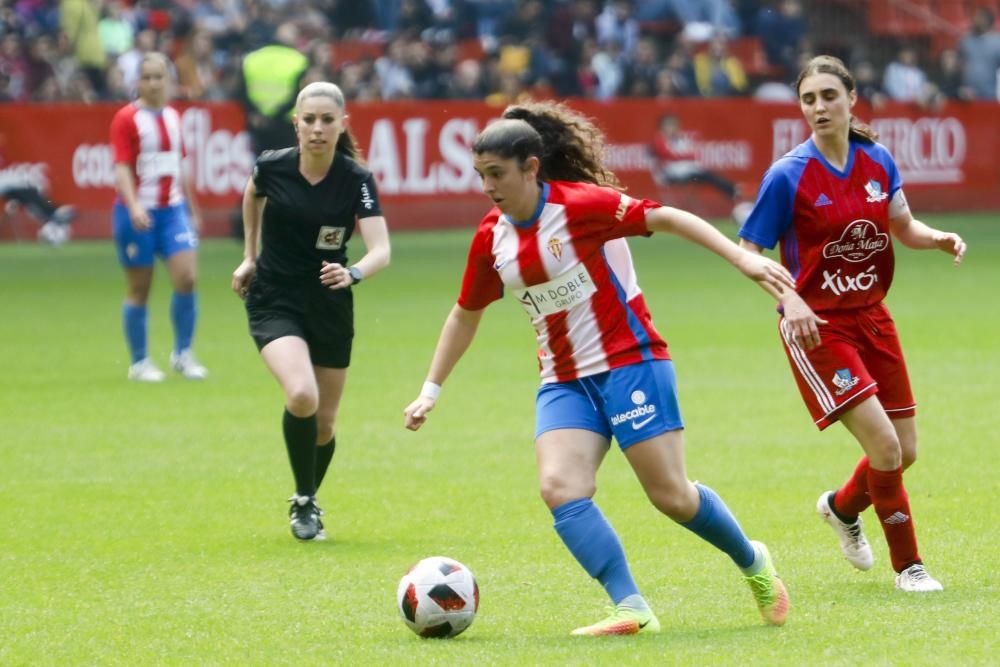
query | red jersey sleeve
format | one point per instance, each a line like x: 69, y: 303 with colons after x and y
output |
x: 124, y: 136
x: 481, y: 284
x: 607, y: 213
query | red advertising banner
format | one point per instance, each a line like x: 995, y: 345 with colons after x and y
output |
x: 419, y: 153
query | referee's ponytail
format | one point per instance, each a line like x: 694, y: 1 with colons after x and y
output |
x: 832, y: 65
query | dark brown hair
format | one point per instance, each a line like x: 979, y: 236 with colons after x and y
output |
x: 835, y: 66
x: 567, y: 144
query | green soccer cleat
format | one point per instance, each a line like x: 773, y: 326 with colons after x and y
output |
x: 768, y: 589
x: 621, y: 621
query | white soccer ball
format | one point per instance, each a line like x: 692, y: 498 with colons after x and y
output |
x: 438, y: 597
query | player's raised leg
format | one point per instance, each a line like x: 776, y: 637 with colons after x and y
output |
x: 659, y: 464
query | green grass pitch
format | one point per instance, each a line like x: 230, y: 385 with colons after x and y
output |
x: 147, y: 525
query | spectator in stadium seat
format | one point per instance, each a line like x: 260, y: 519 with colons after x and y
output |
x: 617, y: 24
x: 642, y: 69
x: 15, y: 65
x: 717, y: 72
x: 947, y: 77
x: 467, y: 82
x: 833, y: 202
x: 196, y: 71
x: 558, y: 227
x: 781, y: 30
x: 117, y: 32
x: 867, y: 84
x: 304, y: 204
x: 980, y: 51
x: 128, y: 62
x: 78, y: 22
x: 154, y: 215
x: 903, y: 79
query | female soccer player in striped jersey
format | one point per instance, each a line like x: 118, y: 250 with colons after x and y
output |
x: 833, y: 202
x: 150, y: 217
x: 555, y: 239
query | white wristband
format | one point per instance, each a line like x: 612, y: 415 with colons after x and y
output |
x: 431, y: 390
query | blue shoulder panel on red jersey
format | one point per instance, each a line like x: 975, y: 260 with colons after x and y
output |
x: 772, y: 212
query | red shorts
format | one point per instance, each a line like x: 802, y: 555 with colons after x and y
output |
x: 860, y: 356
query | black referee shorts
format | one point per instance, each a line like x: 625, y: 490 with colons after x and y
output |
x: 324, y: 318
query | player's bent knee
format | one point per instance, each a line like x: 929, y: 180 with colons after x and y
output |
x: 302, y: 401
x: 556, y: 491
x: 676, y: 504
x: 885, y: 453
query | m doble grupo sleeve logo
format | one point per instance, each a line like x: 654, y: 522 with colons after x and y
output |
x: 559, y: 294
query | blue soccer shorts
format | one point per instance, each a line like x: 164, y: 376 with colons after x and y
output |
x: 170, y: 233
x: 632, y: 403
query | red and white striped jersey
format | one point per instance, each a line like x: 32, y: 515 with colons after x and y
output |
x: 150, y: 143
x: 571, y: 269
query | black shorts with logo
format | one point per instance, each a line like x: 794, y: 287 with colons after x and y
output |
x: 324, y: 318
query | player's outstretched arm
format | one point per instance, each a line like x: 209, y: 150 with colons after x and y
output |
x: 459, y: 329
x: 689, y: 226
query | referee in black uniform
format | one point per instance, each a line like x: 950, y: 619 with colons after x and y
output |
x: 304, y: 204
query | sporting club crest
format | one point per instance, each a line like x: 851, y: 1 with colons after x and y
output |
x: 555, y: 247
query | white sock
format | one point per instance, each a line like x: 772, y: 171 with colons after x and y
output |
x: 635, y: 602
x: 756, y: 566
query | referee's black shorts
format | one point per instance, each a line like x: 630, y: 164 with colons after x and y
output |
x: 324, y: 318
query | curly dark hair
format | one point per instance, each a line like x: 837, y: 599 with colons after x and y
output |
x: 568, y: 145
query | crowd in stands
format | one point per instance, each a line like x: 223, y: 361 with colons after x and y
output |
x: 494, y: 50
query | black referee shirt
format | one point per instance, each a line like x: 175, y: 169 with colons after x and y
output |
x: 304, y: 224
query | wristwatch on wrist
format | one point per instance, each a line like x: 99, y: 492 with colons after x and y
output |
x: 356, y: 274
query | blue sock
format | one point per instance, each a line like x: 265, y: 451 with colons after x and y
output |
x: 595, y: 545
x: 183, y: 313
x: 134, y: 320
x: 715, y: 524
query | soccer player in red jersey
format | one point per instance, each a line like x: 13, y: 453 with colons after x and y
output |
x: 833, y: 203
x: 555, y: 238
x: 154, y: 214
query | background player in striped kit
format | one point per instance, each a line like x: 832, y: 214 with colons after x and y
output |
x: 151, y: 217
x: 833, y: 202
x: 555, y: 238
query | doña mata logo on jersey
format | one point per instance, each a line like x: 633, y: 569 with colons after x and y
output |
x: 861, y: 239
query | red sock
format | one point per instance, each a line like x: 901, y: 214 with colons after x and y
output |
x: 852, y: 498
x: 892, y: 506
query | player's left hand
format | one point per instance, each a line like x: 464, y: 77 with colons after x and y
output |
x: 761, y: 269
x: 951, y: 244
x: 335, y: 276
x: 416, y: 412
